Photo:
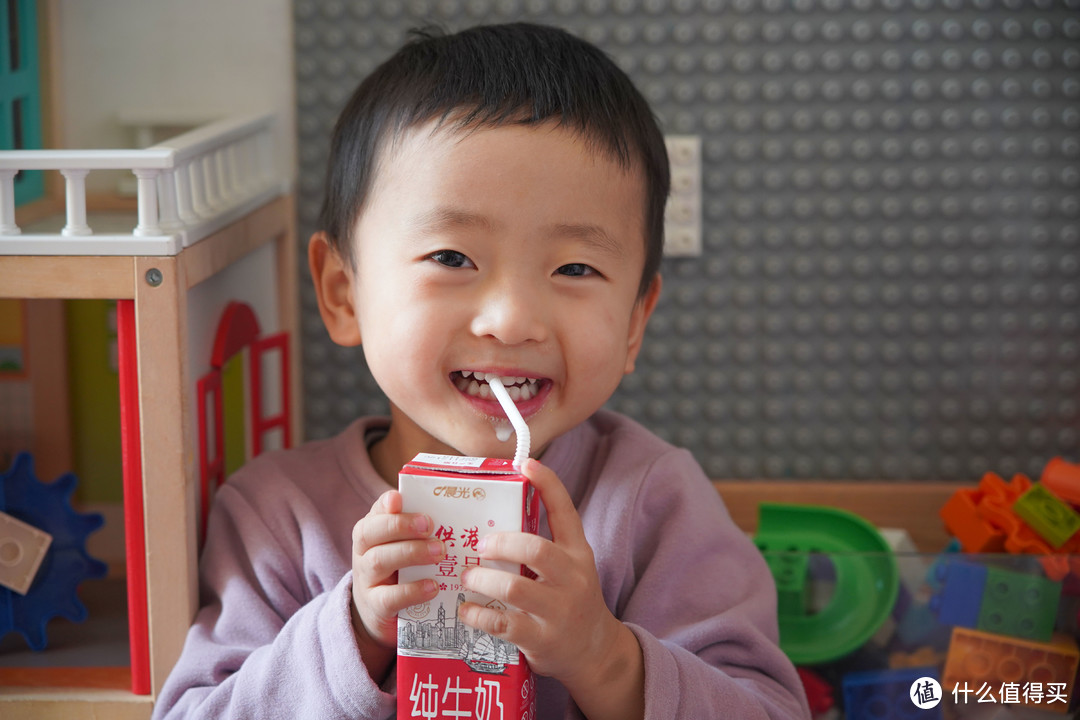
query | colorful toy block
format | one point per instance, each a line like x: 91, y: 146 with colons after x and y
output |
x: 919, y: 627
x: 984, y: 521
x: 789, y: 570
x: 958, y: 601
x: 1019, y: 605
x: 1063, y: 479
x: 996, y: 600
x: 922, y: 656
x: 819, y: 694
x: 964, y: 522
x: 980, y: 664
x: 1047, y: 515
x: 886, y: 695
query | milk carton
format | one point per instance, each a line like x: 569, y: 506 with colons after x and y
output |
x: 446, y: 669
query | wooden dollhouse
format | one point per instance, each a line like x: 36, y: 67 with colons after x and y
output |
x: 148, y: 315
x: 204, y: 281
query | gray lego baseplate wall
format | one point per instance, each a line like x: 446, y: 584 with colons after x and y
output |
x: 890, y: 282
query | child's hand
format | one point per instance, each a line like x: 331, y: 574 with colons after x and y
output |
x: 385, y: 541
x: 559, y: 620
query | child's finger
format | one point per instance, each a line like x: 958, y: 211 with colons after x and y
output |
x: 540, y: 555
x: 378, y: 528
x: 562, y: 516
x: 388, y: 600
x: 509, y: 625
x: 377, y: 564
x: 389, y: 502
x: 509, y: 588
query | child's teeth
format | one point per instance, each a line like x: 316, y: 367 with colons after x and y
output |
x: 520, y: 388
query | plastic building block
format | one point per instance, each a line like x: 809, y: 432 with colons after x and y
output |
x: 1063, y: 479
x: 922, y: 656
x: 866, y: 585
x: 1019, y: 605
x: 933, y: 575
x: 885, y: 695
x: 919, y: 626
x: 979, y: 661
x: 984, y: 521
x: 789, y: 570
x: 22, y: 550
x: 819, y: 694
x: 1047, y: 515
x: 961, y: 594
x: 963, y: 521
x: 996, y: 600
x: 52, y: 593
x: 911, y: 564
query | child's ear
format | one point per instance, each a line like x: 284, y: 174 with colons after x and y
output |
x: 639, y: 318
x: 334, y: 289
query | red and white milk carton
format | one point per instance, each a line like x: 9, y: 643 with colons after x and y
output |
x: 446, y: 669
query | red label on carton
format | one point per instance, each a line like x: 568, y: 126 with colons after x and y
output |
x: 446, y: 669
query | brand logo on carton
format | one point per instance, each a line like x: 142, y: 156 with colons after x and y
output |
x: 459, y: 492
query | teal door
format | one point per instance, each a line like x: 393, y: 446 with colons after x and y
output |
x: 20, y: 90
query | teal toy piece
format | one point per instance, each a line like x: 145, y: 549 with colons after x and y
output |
x: 866, y: 583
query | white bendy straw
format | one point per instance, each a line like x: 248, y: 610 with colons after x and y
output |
x: 520, y: 428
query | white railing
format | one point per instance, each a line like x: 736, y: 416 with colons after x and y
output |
x: 187, y: 188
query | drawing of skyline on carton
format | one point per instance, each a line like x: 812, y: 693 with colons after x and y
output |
x: 420, y: 635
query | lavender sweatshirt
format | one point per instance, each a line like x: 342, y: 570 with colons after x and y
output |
x: 273, y: 639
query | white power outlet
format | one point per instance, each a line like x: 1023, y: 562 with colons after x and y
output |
x: 682, y: 218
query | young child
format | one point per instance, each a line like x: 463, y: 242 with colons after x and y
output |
x: 494, y: 206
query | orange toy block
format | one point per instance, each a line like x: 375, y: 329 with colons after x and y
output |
x: 965, y: 523
x: 1001, y: 666
x: 1063, y: 479
x: 982, y: 519
x: 998, y: 498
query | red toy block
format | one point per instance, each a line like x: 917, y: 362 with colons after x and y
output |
x: 818, y: 692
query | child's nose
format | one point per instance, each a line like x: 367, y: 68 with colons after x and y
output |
x: 509, y: 312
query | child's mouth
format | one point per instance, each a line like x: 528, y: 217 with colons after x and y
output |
x: 474, y: 384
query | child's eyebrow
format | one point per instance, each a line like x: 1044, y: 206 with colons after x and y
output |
x: 594, y: 236
x: 447, y: 218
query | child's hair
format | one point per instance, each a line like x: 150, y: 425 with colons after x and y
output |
x: 488, y: 76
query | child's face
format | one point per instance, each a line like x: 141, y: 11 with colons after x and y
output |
x: 513, y: 250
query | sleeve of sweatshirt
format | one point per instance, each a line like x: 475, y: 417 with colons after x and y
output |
x: 703, y: 606
x: 260, y: 646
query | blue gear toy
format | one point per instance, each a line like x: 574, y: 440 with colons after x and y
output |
x: 47, y: 507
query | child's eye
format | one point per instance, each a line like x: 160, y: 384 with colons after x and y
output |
x: 576, y: 270
x: 451, y: 259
